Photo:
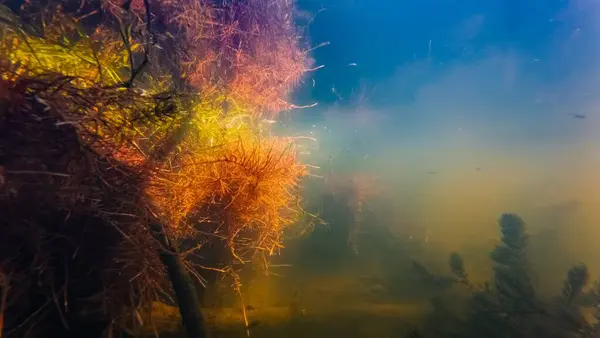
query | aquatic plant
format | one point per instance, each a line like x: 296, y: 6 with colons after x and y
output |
x: 509, y: 306
x: 246, y: 49
x: 457, y: 266
x: 122, y: 177
x: 355, y: 190
x: 326, y: 248
x: 511, y: 271
x: 577, y: 279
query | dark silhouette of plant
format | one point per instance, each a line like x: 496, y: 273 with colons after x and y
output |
x: 458, y: 268
x: 428, y: 279
x: 509, y: 306
x: 577, y: 278
x: 511, y: 276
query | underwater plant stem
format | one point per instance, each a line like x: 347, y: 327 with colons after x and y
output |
x: 183, y: 286
x: 125, y: 33
x: 238, y: 290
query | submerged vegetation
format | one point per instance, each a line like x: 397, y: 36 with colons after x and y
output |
x: 508, y: 305
x: 139, y: 173
x: 134, y: 164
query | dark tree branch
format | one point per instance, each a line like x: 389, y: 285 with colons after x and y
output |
x: 183, y: 286
x: 126, y: 35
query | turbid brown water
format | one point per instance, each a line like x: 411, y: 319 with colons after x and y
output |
x: 359, y: 320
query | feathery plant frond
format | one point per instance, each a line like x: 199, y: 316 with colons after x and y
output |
x: 184, y: 146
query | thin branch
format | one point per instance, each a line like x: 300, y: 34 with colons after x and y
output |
x: 34, y: 172
x: 126, y: 35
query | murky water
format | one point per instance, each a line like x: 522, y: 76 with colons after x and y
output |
x: 454, y: 129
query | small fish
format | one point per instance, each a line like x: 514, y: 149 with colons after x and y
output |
x: 353, y: 64
x: 268, y: 121
x: 478, y: 169
x: 431, y: 173
x: 578, y: 116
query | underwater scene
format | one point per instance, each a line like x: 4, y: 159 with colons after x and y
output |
x: 300, y: 168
